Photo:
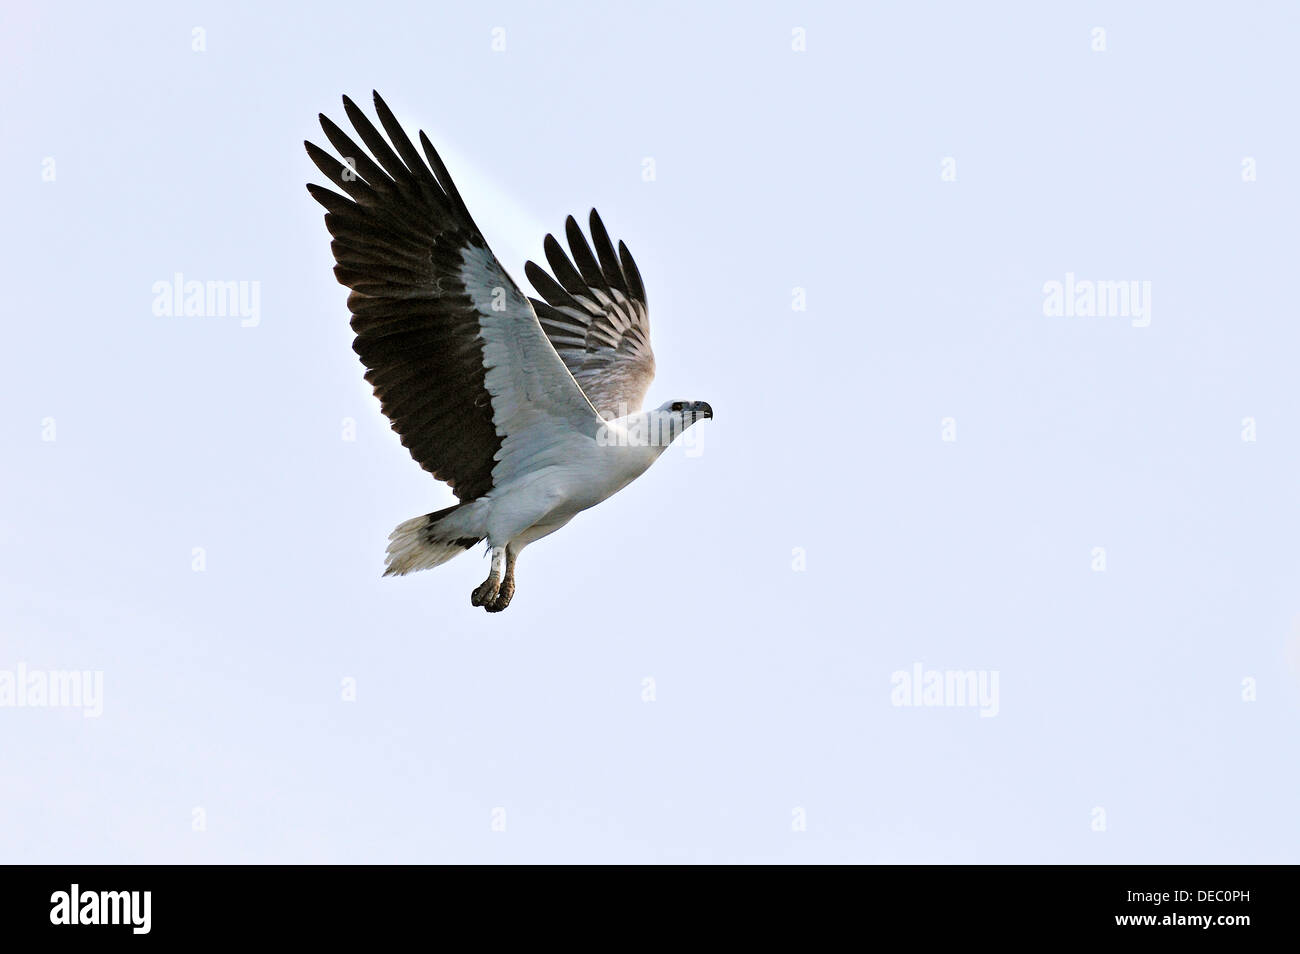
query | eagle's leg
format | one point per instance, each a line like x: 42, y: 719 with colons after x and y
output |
x: 507, y: 590
x: 486, y: 591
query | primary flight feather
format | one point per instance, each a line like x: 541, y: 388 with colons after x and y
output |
x: 529, y: 409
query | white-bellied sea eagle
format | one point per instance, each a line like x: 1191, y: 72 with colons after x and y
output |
x: 529, y: 409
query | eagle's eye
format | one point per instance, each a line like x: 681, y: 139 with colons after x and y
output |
x: 678, y: 406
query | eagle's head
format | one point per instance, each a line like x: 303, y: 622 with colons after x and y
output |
x: 686, y: 412
x: 653, y: 429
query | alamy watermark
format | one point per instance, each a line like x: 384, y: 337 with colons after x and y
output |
x: 657, y: 428
x: 24, y: 688
x: 1085, y: 298
x: 946, y: 688
x: 77, y: 906
x: 179, y: 298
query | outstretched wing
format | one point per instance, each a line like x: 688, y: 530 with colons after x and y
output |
x: 595, y: 316
x: 452, y: 347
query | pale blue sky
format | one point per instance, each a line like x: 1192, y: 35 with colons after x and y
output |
x: 775, y: 169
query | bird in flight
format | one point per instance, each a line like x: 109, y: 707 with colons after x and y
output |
x: 529, y: 409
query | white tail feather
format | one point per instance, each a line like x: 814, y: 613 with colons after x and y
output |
x: 424, y: 542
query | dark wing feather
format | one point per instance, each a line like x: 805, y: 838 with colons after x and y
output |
x: 595, y: 315
x: 399, y: 236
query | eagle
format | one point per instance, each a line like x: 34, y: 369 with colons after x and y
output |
x: 528, y: 408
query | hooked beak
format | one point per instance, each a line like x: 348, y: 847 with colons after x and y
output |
x: 704, y: 409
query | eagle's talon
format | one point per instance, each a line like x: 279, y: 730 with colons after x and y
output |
x: 504, y: 595
x: 485, y: 592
